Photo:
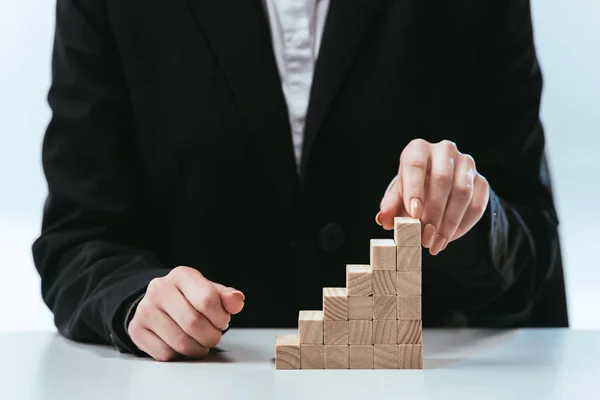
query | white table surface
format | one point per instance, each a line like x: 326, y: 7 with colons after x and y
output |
x: 459, y: 364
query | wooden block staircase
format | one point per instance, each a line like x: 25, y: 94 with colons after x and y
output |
x: 374, y: 322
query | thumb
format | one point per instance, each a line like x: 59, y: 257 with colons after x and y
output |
x: 232, y: 299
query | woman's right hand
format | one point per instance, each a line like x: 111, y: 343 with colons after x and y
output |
x: 183, y: 314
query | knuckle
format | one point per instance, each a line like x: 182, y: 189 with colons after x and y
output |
x: 134, y: 329
x: 164, y: 355
x: 444, y: 177
x: 450, y: 225
x: 415, y: 161
x: 414, y: 146
x: 448, y: 145
x: 463, y: 191
x: 477, y: 207
x: 208, y: 302
x: 192, y: 323
x: 418, y: 142
x: 435, y: 214
x: 156, y: 286
x: 182, y: 344
x: 468, y: 159
x: 213, y: 339
x: 179, y: 272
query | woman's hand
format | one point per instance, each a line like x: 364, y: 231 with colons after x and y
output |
x: 183, y: 314
x: 439, y: 185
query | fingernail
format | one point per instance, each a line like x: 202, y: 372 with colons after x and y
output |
x: 377, y: 219
x: 438, y: 244
x: 416, y: 208
x: 428, y: 235
x: 243, y: 297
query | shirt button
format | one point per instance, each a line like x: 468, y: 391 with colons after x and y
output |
x: 331, y: 237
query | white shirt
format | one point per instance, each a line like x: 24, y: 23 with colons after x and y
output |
x: 296, y: 31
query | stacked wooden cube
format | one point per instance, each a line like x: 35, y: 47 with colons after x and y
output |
x: 372, y: 323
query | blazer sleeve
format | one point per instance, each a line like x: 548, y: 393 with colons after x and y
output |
x: 494, y: 273
x: 92, y: 254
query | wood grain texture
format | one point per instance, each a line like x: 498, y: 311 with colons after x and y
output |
x: 384, y: 283
x: 409, y: 258
x: 361, y: 356
x: 410, y: 356
x: 409, y: 307
x: 287, y: 352
x: 335, y: 332
x: 407, y: 232
x: 335, y: 304
x: 384, y: 307
x: 410, y: 331
x: 360, y: 307
x: 360, y: 332
x: 383, y: 254
x: 385, y: 331
x: 312, y: 356
x: 408, y: 283
x: 386, y: 356
x: 337, y: 357
x: 359, y: 280
x: 310, y: 327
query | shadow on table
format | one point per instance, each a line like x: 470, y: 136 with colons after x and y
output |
x: 60, y: 345
x: 444, y: 347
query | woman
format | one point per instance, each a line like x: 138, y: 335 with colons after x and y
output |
x: 196, y: 147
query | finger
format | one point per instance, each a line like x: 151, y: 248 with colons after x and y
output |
x: 414, y: 164
x: 232, y: 299
x: 460, y: 198
x: 438, y: 190
x: 171, y: 333
x: 476, y: 208
x: 194, y: 324
x: 391, y: 205
x: 203, y: 296
x: 148, y: 342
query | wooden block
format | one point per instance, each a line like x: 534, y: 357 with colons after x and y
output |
x: 287, y: 352
x: 386, y: 356
x: 408, y: 283
x: 384, y: 283
x: 384, y: 307
x: 360, y: 332
x: 358, y: 280
x: 409, y: 307
x: 407, y: 232
x: 383, y: 254
x: 336, y: 357
x: 335, y: 304
x: 409, y: 258
x: 360, y: 307
x: 410, y: 331
x: 310, y: 327
x: 335, y: 332
x: 360, y: 356
x: 312, y: 356
x: 385, y: 331
x: 410, y: 356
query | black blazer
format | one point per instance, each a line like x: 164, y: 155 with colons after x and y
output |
x: 170, y: 145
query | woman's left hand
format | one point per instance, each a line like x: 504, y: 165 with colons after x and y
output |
x: 439, y: 185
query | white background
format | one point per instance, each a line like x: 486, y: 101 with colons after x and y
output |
x: 568, y: 40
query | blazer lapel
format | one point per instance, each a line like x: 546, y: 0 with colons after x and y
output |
x: 348, y: 22
x: 239, y: 36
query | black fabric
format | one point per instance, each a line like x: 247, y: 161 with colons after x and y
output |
x: 170, y: 145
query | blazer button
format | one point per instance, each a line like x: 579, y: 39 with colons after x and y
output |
x: 331, y: 237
